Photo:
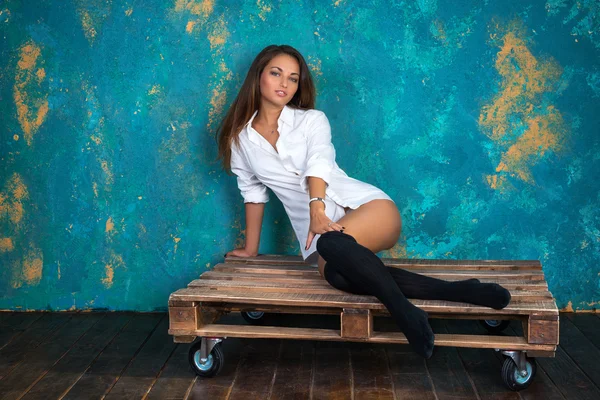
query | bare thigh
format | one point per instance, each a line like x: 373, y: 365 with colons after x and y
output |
x: 375, y: 225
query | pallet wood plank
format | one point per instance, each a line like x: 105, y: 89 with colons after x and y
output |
x: 356, y: 323
x: 283, y: 274
x: 325, y: 288
x: 270, y: 259
x: 519, y: 282
x: 359, y: 302
x: 317, y: 283
x: 277, y: 332
x: 70, y: 368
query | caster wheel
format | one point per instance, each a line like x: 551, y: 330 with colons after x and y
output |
x: 495, y: 325
x: 513, y: 379
x: 254, y: 317
x: 210, y: 367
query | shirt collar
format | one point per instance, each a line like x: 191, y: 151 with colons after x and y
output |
x: 287, y: 116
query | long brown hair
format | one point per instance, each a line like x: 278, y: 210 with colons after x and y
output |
x: 248, y: 99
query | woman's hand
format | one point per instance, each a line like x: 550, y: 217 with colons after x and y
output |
x: 319, y: 224
x: 240, y: 252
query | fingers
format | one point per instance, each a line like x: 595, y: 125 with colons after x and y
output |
x: 309, y: 240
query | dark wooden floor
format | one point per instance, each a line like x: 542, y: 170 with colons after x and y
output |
x: 131, y: 356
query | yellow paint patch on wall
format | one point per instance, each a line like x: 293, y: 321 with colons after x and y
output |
x: 219, y: 95
x: 204, y: 8
x: 128, y: 12
x: 107, y: 168
x: 156, y: 89
x: 33, y: 264
x: 219, y: 33
x: 201, y: 9
x: 31, y: 111
x: 543, y: 134
x: 315, y: 65
x: 109, y: 273
x: 88, y: 26
x: 264, y: 8
x: 518, y: 120
x: 110, y: 225
x: 568, y: 307
x: 41, y: 74
x: 11, y: 199
x: 189, y: 27
x: 6, y: 245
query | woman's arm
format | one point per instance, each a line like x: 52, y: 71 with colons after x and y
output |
x: 319, y: 221
x: 254, y: 218
x: 255, y: 196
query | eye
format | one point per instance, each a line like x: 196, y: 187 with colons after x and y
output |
x: 294, y: 80
x: 274, y: 73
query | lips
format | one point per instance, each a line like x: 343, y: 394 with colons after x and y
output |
x: 281, y: 93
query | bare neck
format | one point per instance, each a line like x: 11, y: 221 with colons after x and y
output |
x: 268, y: 115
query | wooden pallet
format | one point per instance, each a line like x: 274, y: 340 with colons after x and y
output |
x: 285, y: 284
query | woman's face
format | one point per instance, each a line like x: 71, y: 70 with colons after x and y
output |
x: 279, y: 80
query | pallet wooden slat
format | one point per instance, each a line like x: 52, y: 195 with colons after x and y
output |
x: 313, y: 272
x: 271, y: 259
x: 452, y: 340
x: 355, y: 301
x: 446, y: 275
x: 325, y: 288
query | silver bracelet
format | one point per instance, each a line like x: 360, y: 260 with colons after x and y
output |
x: 318, y: 198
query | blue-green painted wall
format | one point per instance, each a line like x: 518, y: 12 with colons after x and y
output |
x: 479, y: 118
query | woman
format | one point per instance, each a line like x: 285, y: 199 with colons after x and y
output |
x: 273, y: 137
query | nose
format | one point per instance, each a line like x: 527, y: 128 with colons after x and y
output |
x: 283, y: 84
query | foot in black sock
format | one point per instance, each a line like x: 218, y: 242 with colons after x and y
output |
x: 483, y: 294
x: 364, y: 270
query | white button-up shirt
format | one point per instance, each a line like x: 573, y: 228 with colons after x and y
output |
x: 304, y: 149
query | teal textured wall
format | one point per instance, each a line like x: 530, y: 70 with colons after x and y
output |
x: 479, y: 118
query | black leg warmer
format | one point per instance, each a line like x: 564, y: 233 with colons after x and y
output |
x: 416, y: 286
x: 364, y: 270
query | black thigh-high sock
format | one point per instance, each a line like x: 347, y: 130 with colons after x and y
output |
x: 363, y: 269
x: 416, y: 286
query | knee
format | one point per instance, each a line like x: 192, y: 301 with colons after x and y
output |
x: 327, y: 244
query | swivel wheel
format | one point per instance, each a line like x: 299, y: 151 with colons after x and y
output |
x: 495, y: 325
x: 515, y: 378
x: 211, y: 363
x: 254, y: 317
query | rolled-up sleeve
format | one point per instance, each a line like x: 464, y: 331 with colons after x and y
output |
x: 251, y: 189
x: 320, y: 151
